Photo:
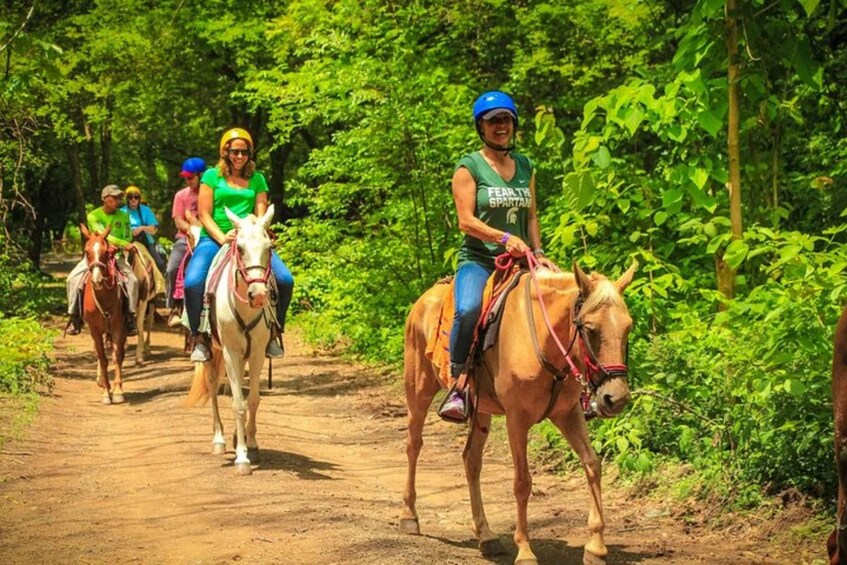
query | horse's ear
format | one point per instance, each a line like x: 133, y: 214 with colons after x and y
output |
x: 626, y: 278
x: 84, y: 231
x: 582, y: 280
x: 236, y: 221
x: 268, y: 217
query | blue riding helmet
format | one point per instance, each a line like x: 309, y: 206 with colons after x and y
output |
x: 193, y: 166
x: 494, y: 100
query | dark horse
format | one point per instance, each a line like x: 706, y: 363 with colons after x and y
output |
x: 103, y: 311
x: 837, y: 544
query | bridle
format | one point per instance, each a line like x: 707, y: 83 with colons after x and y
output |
x: 595, y: 374
x: 109, y: 266
x: 244, y: 270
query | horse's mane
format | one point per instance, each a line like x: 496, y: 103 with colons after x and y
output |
x: 605, y: 293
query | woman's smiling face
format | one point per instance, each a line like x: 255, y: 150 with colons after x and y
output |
x: 499, y: 128
x: 239, y: 153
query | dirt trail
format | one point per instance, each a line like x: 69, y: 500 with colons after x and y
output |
x: 136, y: 482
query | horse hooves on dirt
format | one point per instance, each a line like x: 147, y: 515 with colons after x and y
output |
x: 244, y: 468
x: 105, y: 399
x: 218, y: 448
x: 410, y: 526
x: 589, y: 558
x: 253, y: 454
x: 491, y: 548
x: 118, y: 399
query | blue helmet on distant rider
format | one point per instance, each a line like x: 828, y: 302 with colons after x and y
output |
x: 492, y: 103
x: 192, y: 166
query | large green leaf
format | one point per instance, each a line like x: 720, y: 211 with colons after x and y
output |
x: 735, y: 253
x: 579, y: 189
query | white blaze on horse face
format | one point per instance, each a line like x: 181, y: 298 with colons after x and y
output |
x: 96, y: 271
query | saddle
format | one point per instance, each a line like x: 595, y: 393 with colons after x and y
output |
x: 486, y: 331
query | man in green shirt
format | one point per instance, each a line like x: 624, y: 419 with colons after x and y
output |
x: 108, y: 215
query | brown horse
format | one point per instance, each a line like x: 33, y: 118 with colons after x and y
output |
x: 103, y: 311
x: 589, y: 314
x: 147, y: 274
x: 837, y: 544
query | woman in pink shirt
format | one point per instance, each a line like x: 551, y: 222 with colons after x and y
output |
x: 184, y: 214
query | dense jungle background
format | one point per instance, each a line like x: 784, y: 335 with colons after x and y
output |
x: 704, y: 139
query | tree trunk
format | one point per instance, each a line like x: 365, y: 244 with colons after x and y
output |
x: 726, y: 275
x: 76, y: 179
x: 106, y: 144
x: 276, y: 182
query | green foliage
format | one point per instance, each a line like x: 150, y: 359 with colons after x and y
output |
x: 23, y: 356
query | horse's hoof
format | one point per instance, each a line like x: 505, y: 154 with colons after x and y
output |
x: 589, y: 558
x: 526, y: 561
x: 118, y: 399
x: 491, y: 548
x: 105, y: 399
x: 244, y: 468
x: 410, y: 526
x: 253, y: 454
x: 218, y: 448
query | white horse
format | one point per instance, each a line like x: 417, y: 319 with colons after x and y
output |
x: 241, y: 319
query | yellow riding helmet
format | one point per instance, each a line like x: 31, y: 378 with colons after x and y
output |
x: 232, y: 135
x: 132, y: 189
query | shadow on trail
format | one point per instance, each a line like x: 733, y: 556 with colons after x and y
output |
x: 325, y: 384
x: 303, y: 466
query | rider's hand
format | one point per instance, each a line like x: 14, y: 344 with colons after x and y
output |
x: 130, y: 248
x: 230, y: 236
x: 137, y: 231
x: 516, y: 246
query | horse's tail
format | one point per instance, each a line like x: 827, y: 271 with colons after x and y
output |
x: 199, y: 391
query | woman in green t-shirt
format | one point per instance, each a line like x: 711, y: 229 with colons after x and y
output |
x: 235, y: 184
x: 494, y: 193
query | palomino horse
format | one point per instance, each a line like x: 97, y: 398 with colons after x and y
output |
x: 145, y: 271
x: 589, y: 314
x: 103, y: 311
x: 241, y: 319
x: 837, y: 544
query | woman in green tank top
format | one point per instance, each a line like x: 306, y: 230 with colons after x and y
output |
x: 494, y: 193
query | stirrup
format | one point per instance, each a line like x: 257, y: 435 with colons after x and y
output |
x: 455, y: 408
x: 201, y: 352
x: 74, y: 327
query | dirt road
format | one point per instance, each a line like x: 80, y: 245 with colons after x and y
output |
x: 136, y: 482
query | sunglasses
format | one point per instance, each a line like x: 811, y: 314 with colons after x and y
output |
x: 133, y: 197
x: 237, y: 152
x: 500, y: 119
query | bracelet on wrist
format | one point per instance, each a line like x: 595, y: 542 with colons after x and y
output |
x: 538, y: 251
x: 505, y: 238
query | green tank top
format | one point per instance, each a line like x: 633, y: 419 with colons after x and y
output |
x: 241, y: 201
x: 501, y: 204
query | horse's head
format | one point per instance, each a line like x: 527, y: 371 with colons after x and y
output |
x: 603, y: 323
x: 253, y: 254
x: 99, y: 255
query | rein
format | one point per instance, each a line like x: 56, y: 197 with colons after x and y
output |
x: 238, y: 268
x: 597, y: 373
x: 111, y: 275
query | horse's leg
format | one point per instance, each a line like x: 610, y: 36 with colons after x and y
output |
x: 140, y: 310
x: 572, y: 426
x: 102, y: 366
x: 518, y: 426
x: 489, y: 542
x: 149, y: 318
x: 118, y: 346
x: 257, y: 360
x: 421, y: 387
x: 235, y: 372
x: 213, y: 372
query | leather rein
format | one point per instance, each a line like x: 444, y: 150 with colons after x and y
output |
x: 112, y: 273
x: 596, y: 374
x: 242, y: 270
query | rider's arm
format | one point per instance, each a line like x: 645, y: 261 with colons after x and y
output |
x: 151, y: 223
x: 205, y: 202
x: 261, y: 204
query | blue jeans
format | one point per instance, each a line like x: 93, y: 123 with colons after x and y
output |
x: 198, y: 270
x: 468, y: 290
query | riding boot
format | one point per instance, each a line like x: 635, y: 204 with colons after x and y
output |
x: 201, y: 352
x: 131, y: 328
x: 454, y: 408
x: 175, y: 318
x: 74, y: 326
x: 275, y: 348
